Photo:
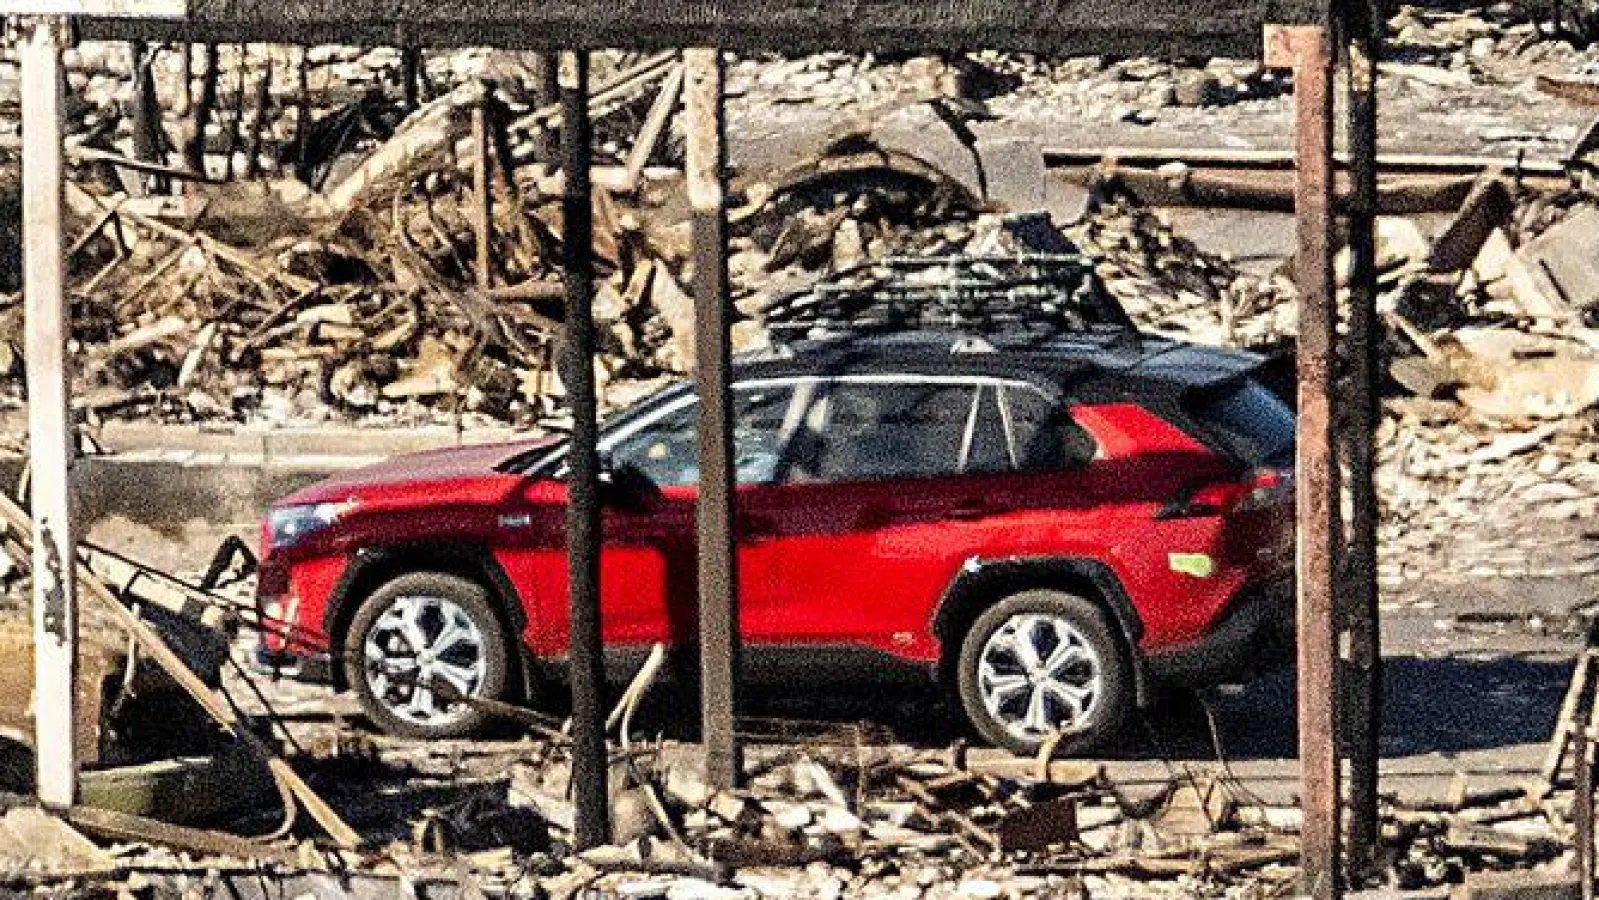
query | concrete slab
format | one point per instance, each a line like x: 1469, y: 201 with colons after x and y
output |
x: 1014, y: 173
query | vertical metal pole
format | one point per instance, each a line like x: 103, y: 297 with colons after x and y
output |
x: 542, y: 67
x: 583, y: 535
x: 411, y: 77
x: 50, y: 444
x: 483, y: 150
x: 1316, y: 474
x: 718, y: 560
x: 1360, y: 561
x: 1582, y: 799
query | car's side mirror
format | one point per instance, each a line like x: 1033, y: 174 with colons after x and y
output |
x: 626, y: 487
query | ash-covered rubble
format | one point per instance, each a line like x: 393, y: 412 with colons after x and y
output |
x: 269, y: 301
x: 358, y: 299
x: 826, y: 810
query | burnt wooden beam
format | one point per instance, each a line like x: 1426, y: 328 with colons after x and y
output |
x: 1362, y: 414
x: 706, y: 170
x: 1135, y: 27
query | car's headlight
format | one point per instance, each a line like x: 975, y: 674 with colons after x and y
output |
x: 288, y: 525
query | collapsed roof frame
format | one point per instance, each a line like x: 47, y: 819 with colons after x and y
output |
x: 1112, y: 27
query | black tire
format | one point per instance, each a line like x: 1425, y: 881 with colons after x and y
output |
x: 1111, y: 701
x: 456, y: 719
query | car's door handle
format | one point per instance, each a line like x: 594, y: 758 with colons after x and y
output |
x: 755, y: 529
x: 971, y: 509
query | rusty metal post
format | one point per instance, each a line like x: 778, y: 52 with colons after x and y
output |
x: 718, y: 558
x: 482, y: 184
x: 583, y: 534
x: 50, y: 434
x: 1308, y: 50
x: 1359, y: 576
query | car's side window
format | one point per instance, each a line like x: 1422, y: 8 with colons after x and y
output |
x: 987, y: 443
x: 667, y: 449
x: 879, y: 430
x: 1039, y: 437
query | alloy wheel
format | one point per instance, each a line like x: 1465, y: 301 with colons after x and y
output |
x: 417, y: 645
x: 1039, y: 673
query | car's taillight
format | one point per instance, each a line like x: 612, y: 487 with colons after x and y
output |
x: 1256, y: 490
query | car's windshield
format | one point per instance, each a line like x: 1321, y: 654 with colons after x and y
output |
x: 544, y: 459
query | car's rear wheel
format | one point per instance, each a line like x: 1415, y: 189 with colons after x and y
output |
x: 1043, y: 661
x: 418, y: 645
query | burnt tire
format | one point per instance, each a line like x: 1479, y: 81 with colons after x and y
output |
x: 1041, y: 659
x: 420, y: 642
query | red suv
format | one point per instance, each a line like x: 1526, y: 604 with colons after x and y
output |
x: 1049, y: 526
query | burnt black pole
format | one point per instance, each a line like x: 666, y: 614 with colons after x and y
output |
x: 1364, y: 711
x: 706, y: 172
x: 583, y: 536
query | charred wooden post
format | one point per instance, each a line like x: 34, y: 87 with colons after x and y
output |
x: 583, y: 534
x: 1359, y: 575
x: 50, y: 433
x: 1308, y: 50
x: 149, y: 142
x: 194, y: 153
x: 483, y: 185
x: 184, y: 102
x: 302, y: 119
x: 545, y: 93
x: 233, y: 139
x: 263, y: 107
x: 411, y: 77
x: 718, y: 558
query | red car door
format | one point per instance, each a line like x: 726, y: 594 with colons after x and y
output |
x: 648, y: 590
x: 883, y: 498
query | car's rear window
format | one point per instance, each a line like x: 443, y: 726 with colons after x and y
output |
x: 1250, y: 420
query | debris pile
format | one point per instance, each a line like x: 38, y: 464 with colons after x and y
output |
x: 1489, y: 329
x: 828, y: 810
x: 268, y: 301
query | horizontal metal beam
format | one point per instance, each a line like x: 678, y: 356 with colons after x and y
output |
x: 1139, y: 27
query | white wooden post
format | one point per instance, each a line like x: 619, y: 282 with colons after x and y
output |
x: 50, y: 434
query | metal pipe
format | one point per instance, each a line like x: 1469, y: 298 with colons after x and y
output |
x: 1360, y: 561
x: 583, y: 535
x: 1316, y: 473
x: 50, y: 435
x: 718, y: 561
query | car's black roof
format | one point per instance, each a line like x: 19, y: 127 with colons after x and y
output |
x: 1095, y: 361
x: 1102, y: 364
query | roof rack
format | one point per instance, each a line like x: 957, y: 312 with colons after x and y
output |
x: 1024, y: 293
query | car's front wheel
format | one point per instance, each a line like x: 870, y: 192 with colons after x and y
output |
x: 418, y: 645
x: 1043, y: 661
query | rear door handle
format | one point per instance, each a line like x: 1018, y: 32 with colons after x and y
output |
x: 755, y: 529
x: 971, y: 509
